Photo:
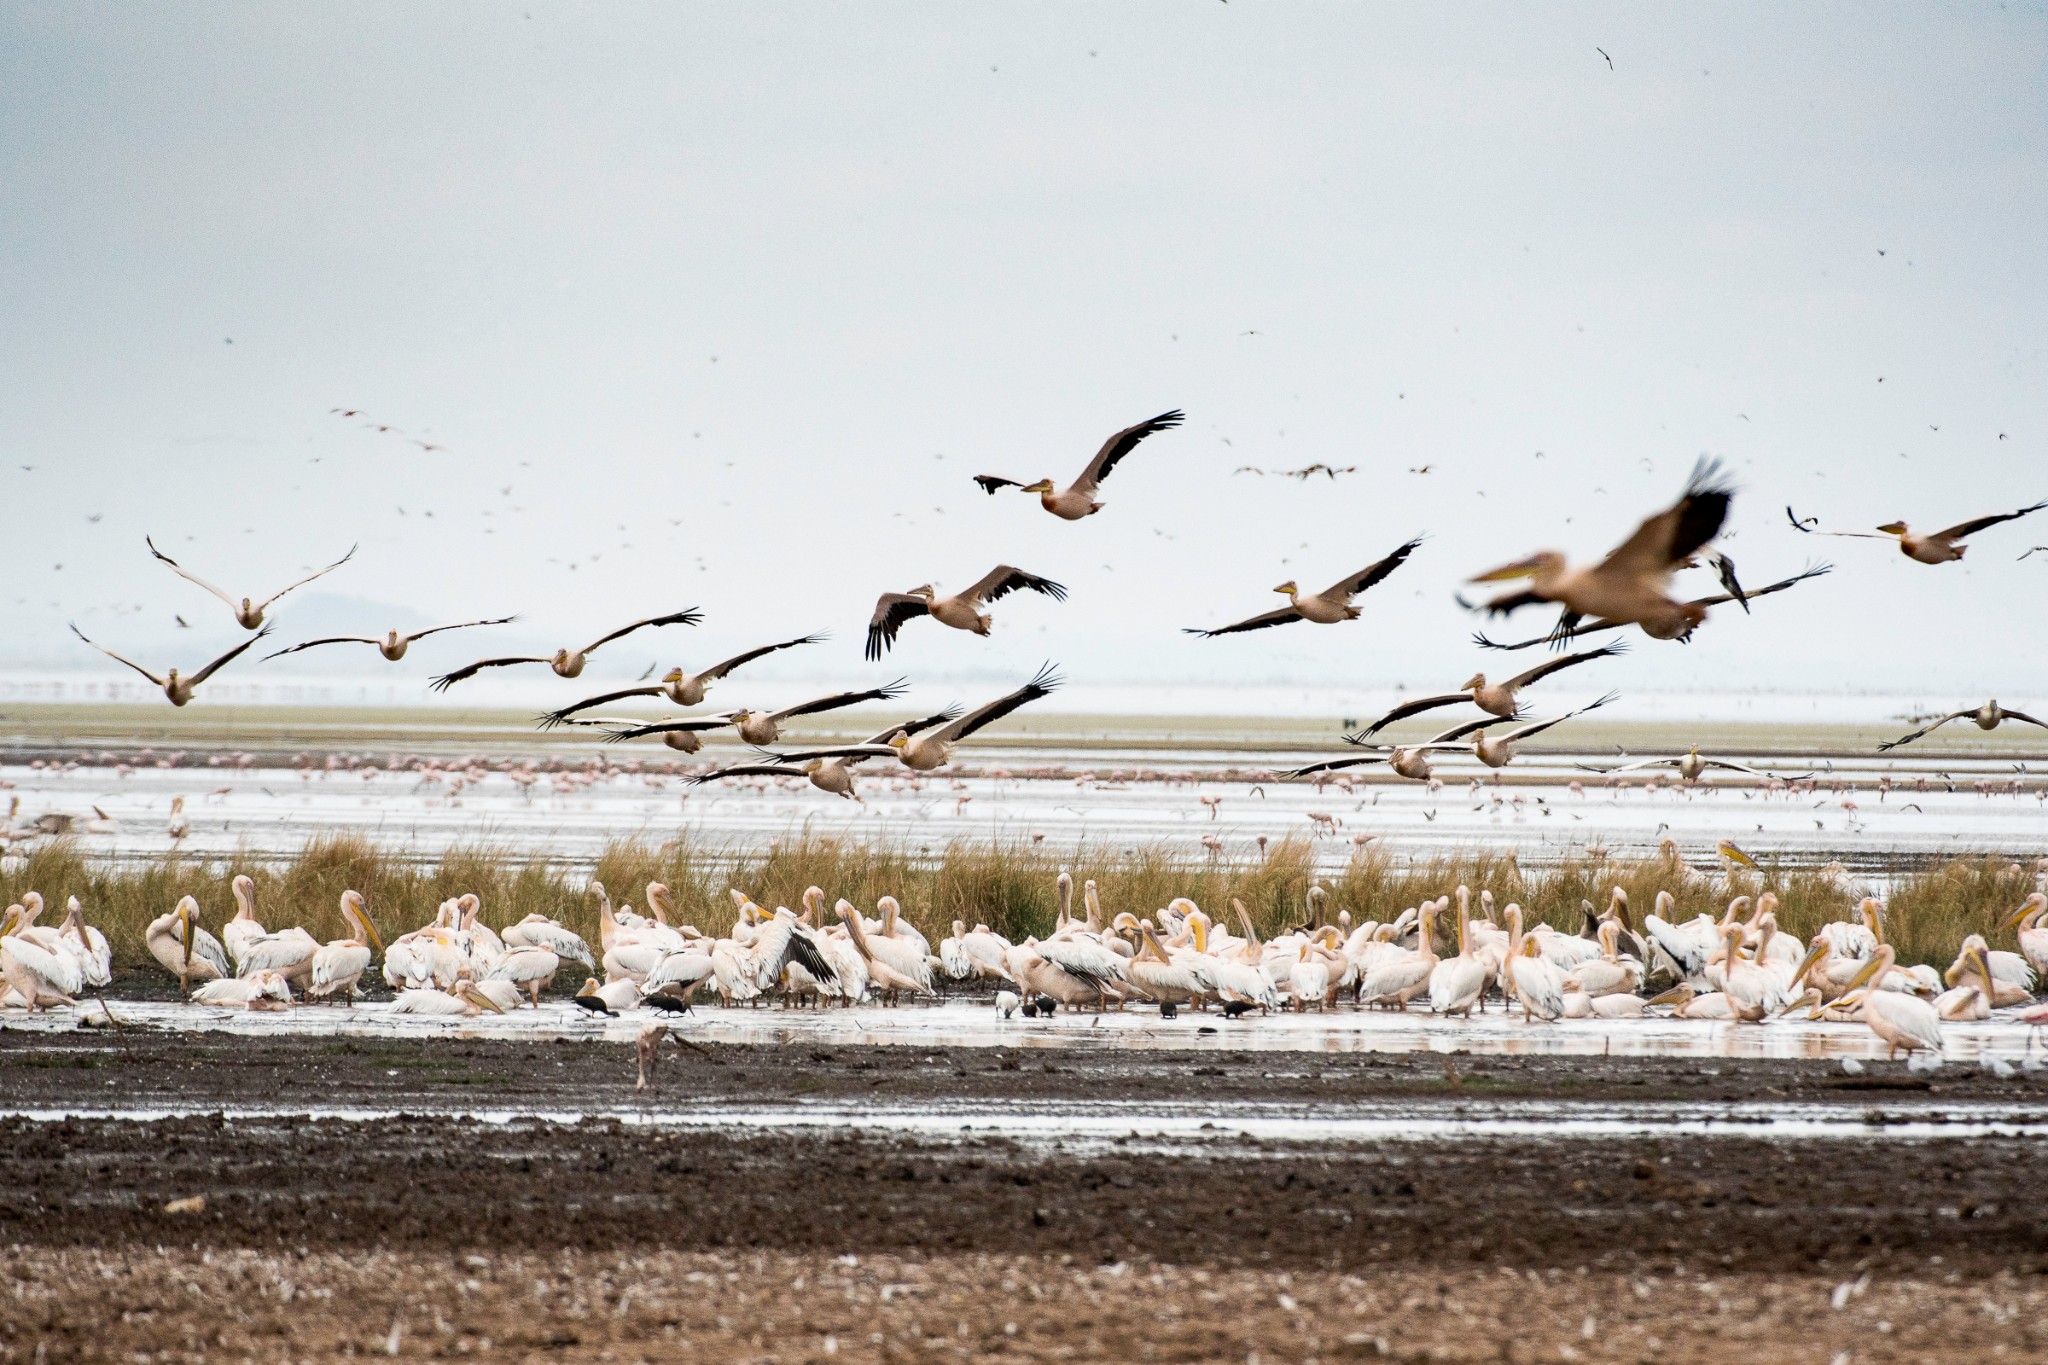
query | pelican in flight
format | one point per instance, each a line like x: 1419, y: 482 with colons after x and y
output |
x: 759, y: 728
x: 834, y: 775
x: 567, y: 663
x: 1325, y: 608
x: 249, y: 614
x: 1412, y: 760
x: 961, y: 611
x: 1078, y: 500
x: 393, y: 645
x: 1629, y: 586
x: 933, y: 748
x: 1938, y: 547
x: 1496, y: 698
x: 177, y: 686
x: 1656, y: 632
x: 1690, y: 765
x: 1989, y: 716
x: 678, y: 685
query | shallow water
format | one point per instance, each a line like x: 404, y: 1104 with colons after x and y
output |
x: 975, y: 1024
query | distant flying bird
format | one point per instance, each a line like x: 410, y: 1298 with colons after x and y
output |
x: 179, y: 689
x: 961, y: 611
x: 1331, y: 605
x: 248, y: 614
x: 759, y: 728
x: 566, y: 663
x: 2038, y: 549
x: 1591, y: 627
x: 1412, y: 760
x: 1629, y: 586
x: 1305, y: 473
x: 1603, y: 52
x: 934, y: 748
x: 1501, y: 699
x: 1986, y: 717
x: 1690, y: 766
x: 1941, y: 547
x: 181, y: 621
x: 681, y: 687
x: 1078, y: 500
x: 834, y: 775
x: 393, y: 645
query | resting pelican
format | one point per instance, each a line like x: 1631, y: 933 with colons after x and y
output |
x: 934, y: 748
x: 464, y: 1000
x: 393, y: 645
x: 892, y: 964
x: 1903, y: 1021
x: 95, y: 955
x: 1986, y: 717
x: 1939, y: 547
x: 2007, y: 977
x: 249, y: 615
x: 567, y: 663
x: 1654, y: 631
x: 1527, y: 977
x: 256, y: 991
x: 167, y: 938
x: 1325, y: 608
x: 2031, y: 920
x: 244, y: 928
x: 1078, y: 500
x: 1629, y: 586
x: 288, y: 952
x: 961, y: 611
x: 1691, y: 767
x: 679, y: 686
x: 1610, y: 973
x: 1160, y: 977
x: 176, y: 686
x: 1973, y: 994
x: 1456, y: 983
x: 1689, y: 1002
x: 340, y: 964
x: 36, y: 965
x: 1397, y: 978
x: 538, y: 931
x: 759, y: 728
x: 1501, y: 699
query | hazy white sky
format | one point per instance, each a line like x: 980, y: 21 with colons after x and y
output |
x: 721, y: 306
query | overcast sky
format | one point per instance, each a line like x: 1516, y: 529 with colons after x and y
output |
x: 722, y: 306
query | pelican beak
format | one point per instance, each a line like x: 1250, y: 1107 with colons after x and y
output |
x: 1290, y: 587
x: 2026, y: 909
x: 1476, y: 680
x: 1676, y: 995
x: 1893, y: 528
x: 674, y: 675
x: 1863, y: 976
x: 1521, y: 568
x: 1736, y: 855
x: 371, y: 929
x: 1982, y: 963
x: 480, y: 1000
x: 1042, y: 486
x: 1806, y: 964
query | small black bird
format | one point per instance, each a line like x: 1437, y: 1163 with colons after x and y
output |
x: 1235, y: 1009
x: 1029, y: 1009
x: 1168, y: 1010
x: 668, y: 1004
x: 593, y: 1004
x: 1047, y: 1006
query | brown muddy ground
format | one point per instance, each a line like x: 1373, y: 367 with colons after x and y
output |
x: 606, y: 1241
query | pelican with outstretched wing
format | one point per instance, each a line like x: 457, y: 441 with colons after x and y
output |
x: 834, y: 775
x: 759, y: 728
x: 1501, y: 699
x: 393, y: 645
x: 1989, y: 716
x: 1591, y: 627
x: 175, y: 685
x: 567, y: 663
x: 934, y: 748
x: 1325, y: 608
x: 249, y: 614
x: 1078, y: 499
x: 961, y: 611
x: 1691, y: 766
x: 678, y: 685
x: 1937, y: 547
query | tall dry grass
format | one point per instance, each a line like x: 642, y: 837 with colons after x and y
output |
x: 1008, y: 886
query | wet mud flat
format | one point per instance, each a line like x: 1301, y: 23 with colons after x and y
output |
x: 608, y: 1239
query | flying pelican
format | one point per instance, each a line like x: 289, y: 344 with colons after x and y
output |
x: 566, y: 663
x: 1325, y: 608
x: 393, y: 645
x: 1653, y: 630
x: 678, y: 685
x: 168, y: 937
x: 1940, y: 547
x: 1078, y: 500
x: 1901, y: 1020
x: 1629, y: 586
x: 934, y: 748
x: 177, y: 687
x: 1691, y: 767
x: 1986, y: 717
x: 961, y: 611
x: 759, y: 728
x: 1412, y: 760
x: 340, y: 964
x: 1501, y: 699
x: 834, y: 775
x: 248, y: 614
x: 2031, y: 920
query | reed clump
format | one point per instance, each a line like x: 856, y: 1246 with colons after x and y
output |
x: 1008, y: 886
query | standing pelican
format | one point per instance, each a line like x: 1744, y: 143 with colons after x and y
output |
x: 339, y: 965
x: 2031, y: 920
x: 1903, y: 1021
x: 678, y: 685
x: 393, y: 645
x: 176, y: 686
x: 1502, y: 699
x: 1456, y: 983
x: 1527, y: 977
x: 1325, y: 608
x: 567, y: 663
x: 1078, y: 500
x: 961, y: 611
x: 249, y: 615
x: 1629, y: 586
x: 38, y: 967
x: 177, y: 941
x: 1986, y: 717
x: 1938, y: 547
x: 244, y: 928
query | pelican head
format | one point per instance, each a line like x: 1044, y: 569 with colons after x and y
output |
x: 673, y: 676
x: 899, y: 741
x: 2035, y: 904
x: 352, y: 908
x: 1538, y: 565
x: 560, y: 658
x: 1290, y: 587
x: 1473, y: 683
x: 924, y: 590
x: 468, y: 991
x: 1042, y: 486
